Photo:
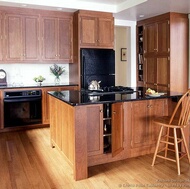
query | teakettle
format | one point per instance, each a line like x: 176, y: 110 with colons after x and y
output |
x: 94, y: 85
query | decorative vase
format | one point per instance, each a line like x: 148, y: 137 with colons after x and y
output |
x: 57, y: 80
x: 39, y: 83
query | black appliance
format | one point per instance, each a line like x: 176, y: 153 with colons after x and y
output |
x: 22, y: 108
x: 97, y: 64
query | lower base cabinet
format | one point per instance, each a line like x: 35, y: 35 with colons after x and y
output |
x: 142, y: 134
x: 132, y: 132
x: 105, y: 129
x: 94, y: 129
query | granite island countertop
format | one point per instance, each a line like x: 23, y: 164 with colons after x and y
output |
x: 77, y: 98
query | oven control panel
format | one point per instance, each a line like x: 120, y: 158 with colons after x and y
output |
x: 20, y: 94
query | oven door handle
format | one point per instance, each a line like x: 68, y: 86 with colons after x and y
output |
x: 9, y: 100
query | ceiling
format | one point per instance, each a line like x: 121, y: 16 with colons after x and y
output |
x: 122, y: 9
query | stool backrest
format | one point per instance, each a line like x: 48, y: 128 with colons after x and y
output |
x: 183, y: 106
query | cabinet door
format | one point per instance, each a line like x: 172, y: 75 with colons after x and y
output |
x: 105, y: 32
x: 140, y: 129
x: 49, y: 38
x: 117, y: 128
x: 150, y: 72
x: 150, y: 38
x: 94, y: 130
x: 13, y: 37
x: 31, y: 38
x: 156, y: 74
x: 1, y: 37
x: 65, y: 39
x: 162, y: 76
x: 156, y: 108
x: 1, y: 110
x: 88, y: 31
x: 163, y: 37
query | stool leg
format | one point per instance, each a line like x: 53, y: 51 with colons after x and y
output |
x: 176, y: 151
x: 167, y: 139
x: 157, y: 145
x: 185, y: 144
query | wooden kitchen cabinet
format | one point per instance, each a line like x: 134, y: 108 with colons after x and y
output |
x: 94, y: 129
x: 142, y: 132
x: 45, y: 100
x: 57, y: 39
x: 21, y: 37
x: 157, y: 73
x: 113, y: 128
x: 1, y: 36
x: 1, y: 110
x: 95, y: 29
x: 105, y: 129
x: 165, y: 52
x: 35, y: 35
x: 117, y: 128
x: 91, y: 29
x: 157, y: 37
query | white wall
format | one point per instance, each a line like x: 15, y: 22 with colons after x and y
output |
x: 23, y: 74
x: 131, y: 50
x: 121, y: 41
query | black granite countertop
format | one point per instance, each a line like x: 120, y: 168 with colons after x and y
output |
x: 35, y: 85
x: 76, y: 98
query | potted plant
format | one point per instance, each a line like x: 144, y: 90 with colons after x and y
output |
x: 39, y: 79
x: 57, y: 71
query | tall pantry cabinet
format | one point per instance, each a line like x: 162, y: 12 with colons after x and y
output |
x: 1, y: 39
x: 162, y: 52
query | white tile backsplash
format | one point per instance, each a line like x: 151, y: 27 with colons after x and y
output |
x: 23, y: 74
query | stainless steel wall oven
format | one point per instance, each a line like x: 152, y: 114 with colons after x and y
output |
x: 22, y: 108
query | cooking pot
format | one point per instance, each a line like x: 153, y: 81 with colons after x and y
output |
x: 94, y: 98
x: 94, y: 85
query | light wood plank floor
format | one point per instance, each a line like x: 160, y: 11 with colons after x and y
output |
x: 28, y: 161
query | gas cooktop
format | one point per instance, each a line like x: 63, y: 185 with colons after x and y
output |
x: 110, y: 90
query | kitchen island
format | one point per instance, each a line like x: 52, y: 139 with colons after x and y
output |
x: 92, y: 129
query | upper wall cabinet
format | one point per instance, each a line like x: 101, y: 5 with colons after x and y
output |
x: 32, y: 35
x: 95, y: 29
x: 21, y: 37
x: 57, y: 39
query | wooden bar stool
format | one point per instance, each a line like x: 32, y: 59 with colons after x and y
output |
x: 178, y: 121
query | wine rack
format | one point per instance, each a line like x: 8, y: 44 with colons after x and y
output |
x: 107, y: 128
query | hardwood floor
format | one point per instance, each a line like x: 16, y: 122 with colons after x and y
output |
x: 28, y: 161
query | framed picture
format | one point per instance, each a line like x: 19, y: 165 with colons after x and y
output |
x: 123, y: 54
